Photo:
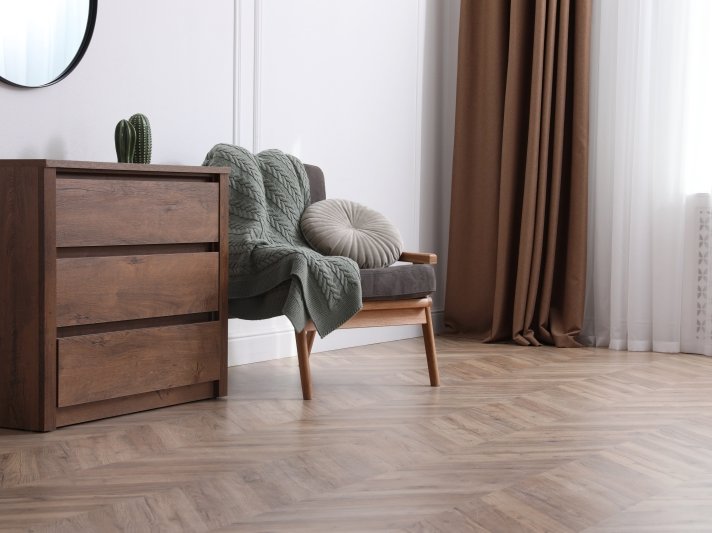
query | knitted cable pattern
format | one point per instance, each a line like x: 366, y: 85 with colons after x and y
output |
x: 272, y: 269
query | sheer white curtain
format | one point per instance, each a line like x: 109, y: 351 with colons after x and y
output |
x: 650, y: 176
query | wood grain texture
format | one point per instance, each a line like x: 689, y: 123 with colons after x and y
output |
x: 114, y: 168
x: 123, y: 363
x: 139, y: 249
x: 419, y: 258
x: 224, y: 251
x: 430, y: 349
x: 48, y: 307
x: 386, y: 317
x: 515, y: 439
x: 21, y: 294
x: 134, y: 168
x: 303, y: 353
x: 109, y: 212
x: 75, y: 414
x: 128, y: 205
x: 386, y: 313
x: 376, y: 313
x: 412, y: 303
x: 105, y: 289
x: 124, y: 325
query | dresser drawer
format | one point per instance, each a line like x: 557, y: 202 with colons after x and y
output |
x: 122, y: 363
x: 107, y: 289
x: 107, y: 212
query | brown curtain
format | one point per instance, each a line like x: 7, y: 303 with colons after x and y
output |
x: 517, y: 252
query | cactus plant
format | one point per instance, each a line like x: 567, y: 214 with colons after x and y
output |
x: 143, y: 138
x: 125, y: 139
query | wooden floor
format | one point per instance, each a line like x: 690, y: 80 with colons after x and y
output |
x: 516, y: 439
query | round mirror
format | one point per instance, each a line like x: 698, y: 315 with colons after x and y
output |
x: 41, y: 41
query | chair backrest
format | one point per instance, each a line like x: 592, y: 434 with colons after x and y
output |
x: 316, y: 183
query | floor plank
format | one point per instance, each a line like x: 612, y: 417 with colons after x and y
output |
x: 515, y: 439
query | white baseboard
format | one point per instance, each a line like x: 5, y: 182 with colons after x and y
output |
x: 264, y: 340
x: 259, y: 340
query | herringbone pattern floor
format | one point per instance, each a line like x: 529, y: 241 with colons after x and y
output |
x: 516, y: 439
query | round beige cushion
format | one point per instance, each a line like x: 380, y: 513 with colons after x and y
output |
x: 342, y: 227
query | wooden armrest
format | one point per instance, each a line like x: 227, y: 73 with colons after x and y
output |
x: 419, y: 257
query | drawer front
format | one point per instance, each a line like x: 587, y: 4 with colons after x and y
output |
x: 121, y: 363
x: 106, y: 289
x: 106, y: 212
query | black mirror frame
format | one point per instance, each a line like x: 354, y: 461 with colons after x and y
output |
x: 91, y: 21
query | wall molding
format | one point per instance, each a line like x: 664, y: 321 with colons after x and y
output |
x: 244, y: 73
x: 235, y: 68
x: 257, y: 78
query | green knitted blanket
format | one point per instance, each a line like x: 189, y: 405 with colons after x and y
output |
x: 273, y: 271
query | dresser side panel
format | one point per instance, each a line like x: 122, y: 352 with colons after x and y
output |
x: 48, y: 306
x: 21, y: 272
x: 223, y: 291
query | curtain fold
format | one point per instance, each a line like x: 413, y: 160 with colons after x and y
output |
x: 517, y: 251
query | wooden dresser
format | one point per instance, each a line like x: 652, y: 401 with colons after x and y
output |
x: 113, y: 289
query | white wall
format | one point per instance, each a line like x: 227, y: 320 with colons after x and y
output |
x: 169, y: 59
x: 364, y: 89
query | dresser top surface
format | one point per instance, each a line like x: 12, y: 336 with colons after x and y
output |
x: 102, y: 165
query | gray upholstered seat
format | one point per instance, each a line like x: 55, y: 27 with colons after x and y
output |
x: 397, y: 282
x: 391, y: 283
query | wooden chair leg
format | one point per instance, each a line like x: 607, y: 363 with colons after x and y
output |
x: 430, y: 352
x: 310, y: 340
x: 303, y: 350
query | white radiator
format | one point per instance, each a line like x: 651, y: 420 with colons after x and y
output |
x: 696, y: 324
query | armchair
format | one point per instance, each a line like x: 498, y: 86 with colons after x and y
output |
x: 396, y: 295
